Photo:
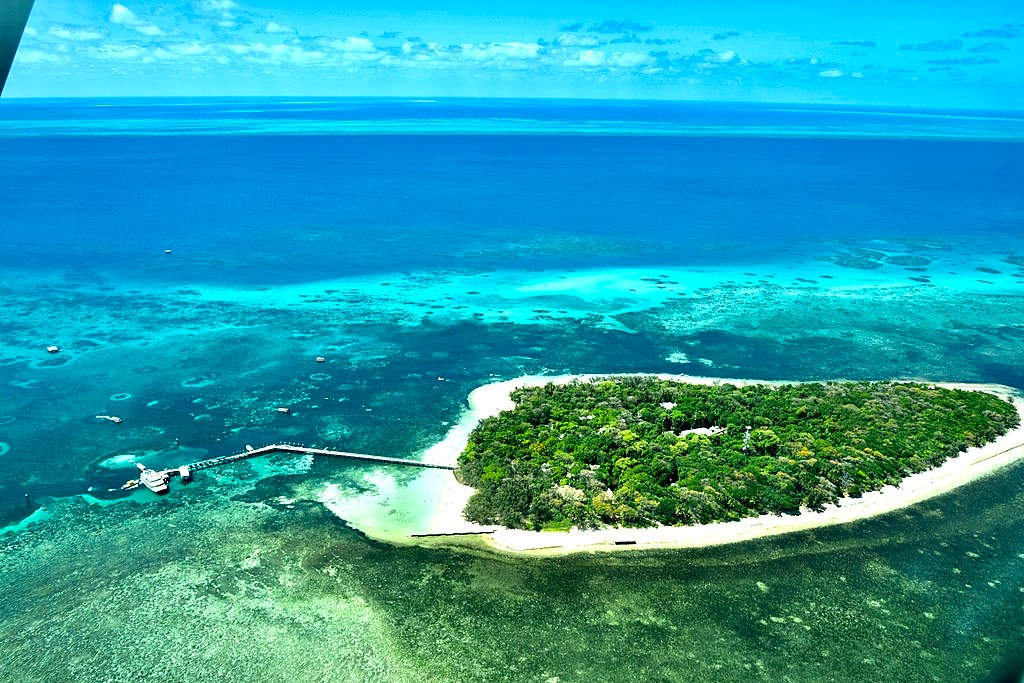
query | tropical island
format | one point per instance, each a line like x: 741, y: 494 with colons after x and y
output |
x: 641, y: 451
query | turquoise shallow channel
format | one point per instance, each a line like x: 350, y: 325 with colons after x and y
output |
x: 421, y: 267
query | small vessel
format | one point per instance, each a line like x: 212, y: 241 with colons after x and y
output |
x: 284, y: 410
x: 321, y: 359
x: 167, y: 251
x: 185, y: 473
x: 113, y: 418
x: 153, y: 480
x: 130, y: 484
x: 249, y: 449
x: 52, y: 349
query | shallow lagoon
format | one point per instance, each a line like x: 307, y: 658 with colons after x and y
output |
x: 827, y: 263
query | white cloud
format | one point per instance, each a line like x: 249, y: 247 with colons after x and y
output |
x: 629, y: 60
x: 38, y: 57
x: 576, y: 40
x: 274, y: 27
x: 195, y: 49
x: 352, y: 44
x: 119, y: 14
x: 587, y: 58
x: 221, y: 13
x: 279, y: 53
x: 191, y: 49
x: 831, y: 73
x: 278, y: 50
x: 490, y: 51
x: 301, y: 56
x: 214, y: 5
x: 803, y: 61
x: 74, y: 34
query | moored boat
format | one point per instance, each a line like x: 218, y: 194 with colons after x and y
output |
x: 153, y: 480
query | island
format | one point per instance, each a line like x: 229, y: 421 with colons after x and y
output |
x: 625, y: 452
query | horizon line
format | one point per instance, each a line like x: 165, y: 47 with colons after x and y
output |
x: 427, y: 99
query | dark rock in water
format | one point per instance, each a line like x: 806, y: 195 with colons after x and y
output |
x: 919, y: 279
x: 1015, y: 260
x: 859, y: 259
x: 993, y: 271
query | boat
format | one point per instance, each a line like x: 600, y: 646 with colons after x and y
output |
x: 321, y: 359
x: 52, y: 349
x: 284, y: 410
x: 130, y: 484
x: 153, y: 480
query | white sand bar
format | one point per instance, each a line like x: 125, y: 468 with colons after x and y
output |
x: 491, y: 399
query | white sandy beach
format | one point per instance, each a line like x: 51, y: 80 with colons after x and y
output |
x: 491, y: 399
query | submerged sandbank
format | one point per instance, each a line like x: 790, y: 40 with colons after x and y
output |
x: 491, y: 399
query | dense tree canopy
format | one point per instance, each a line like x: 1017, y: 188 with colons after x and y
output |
x: 623, y: 450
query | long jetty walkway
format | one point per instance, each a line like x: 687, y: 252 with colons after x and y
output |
x: 302, y: 450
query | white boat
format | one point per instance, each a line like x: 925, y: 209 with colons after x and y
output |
x: 284, y: 410
x: 52, y: 349
x: 152, y: 480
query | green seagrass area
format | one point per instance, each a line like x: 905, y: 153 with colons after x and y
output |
x: 641, y: 451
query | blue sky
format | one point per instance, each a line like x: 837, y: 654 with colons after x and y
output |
x: 964, y: 54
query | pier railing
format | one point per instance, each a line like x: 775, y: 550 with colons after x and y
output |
x: 303, y: 450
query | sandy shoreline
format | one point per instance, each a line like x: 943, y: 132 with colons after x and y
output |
x: 491, y: 399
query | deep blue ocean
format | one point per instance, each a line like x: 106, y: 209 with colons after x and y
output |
x: 426, y: 248
x: 244, y: 210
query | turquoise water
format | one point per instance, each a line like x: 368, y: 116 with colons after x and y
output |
x: 420, y: 267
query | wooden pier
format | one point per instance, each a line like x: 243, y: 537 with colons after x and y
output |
x: 303, y: 450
